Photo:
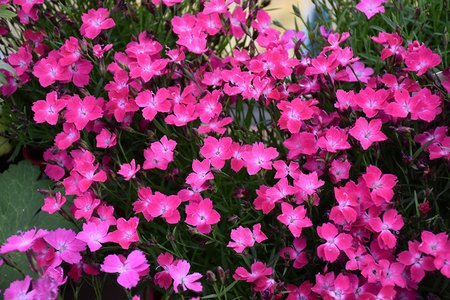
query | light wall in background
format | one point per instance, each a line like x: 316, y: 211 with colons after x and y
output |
x: 281, y: 10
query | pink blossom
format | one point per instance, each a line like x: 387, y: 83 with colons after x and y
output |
x: 48, y: 71
x: 367, y: 133
x: 335, y: 139
x: 95, y: 21
x: 294, y: 113
x: 294, y: 219
x: 67, y: 246
x: 23, y: 241
x: 153, y: 104
x: 202, y: 215
x: 296, y: 253
x: 308, y: 183
x: 126, y: 232
x: 418, y: 262
x: 20, y: 60
x: 301, y: 143
x: 146, y: 68
x: 18, y: 290
x: 433, y: 244
x: 380, y: 184
x: 163, y: 278
x: 130, y: 269
x: 391, y: 221
x: 371, y: 101
x: 179, y: 271
x: 93, y: 234
x: 128, y: 171
x: 27, y: 5
x: 422, y: 60
x: 106, y: 139
x: 84, y: 206
x: 53, y: 204
x: 47, y: 110
x: 164, y: 206
x: 334, y: 242
x: 201, y: 173
x: 371, y: 7
x: 65, y: 139
x: 217, y: 151
x: 259, y: 157
x: 392, y: 273
x: 182, y: 114
x: 80, y: 112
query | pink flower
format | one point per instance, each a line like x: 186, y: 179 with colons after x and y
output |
x: 371, y: 7
x: 182, y: 114
x: 201, y: 173
x: 380, y: 184
x: 95, y: 21
x: 367, y: 133
x: 67, y: 246
x: 106, y: 139
x: 99, y: 51
x: 126, y: 232
x: 334, y: 242
x: 84, y: 206
x: 146, y: 68
x: 20, y: 60
x: 391, y: 221
x: 18, y: 290
x: 371, y: 101
x: 65, y: 139
x: 164, y: 206
x: 301, y: 143
x: 442, y: 263
x: 308, y: 183
x: 258, y: 275
x: 202, y: 215
x: 296, y: 253
x: 80, y: 112
x: 294, y: 113
x: 179, y: 272
x: 23, y: 241
x: 130, y: 269
x: 418, y: 262
x: 422, y: 60
x: 217, y: 151
x: 259, y: 157
x: 294, y: 219
x: 335, y: 139
x: 27, y: 5
x: 392, y: 273
x: 48, y: 71
x: 433, y: 244
x: 53, y: 204
x: 163, y: 278
x: 128, y: 171
x: 93, y: 234
x: 153, y: 104
x: 244, y: 237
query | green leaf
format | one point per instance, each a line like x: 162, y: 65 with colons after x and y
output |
x: 20, y: 204
x: 7, y: 67
x: 5, y: 13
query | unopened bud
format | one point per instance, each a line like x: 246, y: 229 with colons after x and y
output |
x: 210, y: 277
x: 221, y: 274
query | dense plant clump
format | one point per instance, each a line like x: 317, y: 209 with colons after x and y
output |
x: 198, y: 152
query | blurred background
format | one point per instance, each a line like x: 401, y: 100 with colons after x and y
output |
x: 281, y: 11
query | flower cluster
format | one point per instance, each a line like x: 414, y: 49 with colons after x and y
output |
x: 175, y: 157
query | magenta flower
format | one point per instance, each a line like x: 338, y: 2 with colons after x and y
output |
x: 153, y: 104
x: 217, y: 151
x: 201, y: 173
x: 106, y: 139
x: 294, y: 113
x: 371, y: 7
x: 380, y: 185
x: 418, y: 262
x: 20, y: 60
x: 128, y: 171
x: 301, y: 143
x: 259, y: 157
x: 179, y: 271
x: 422, y: 60
x: 334, y: 242
x: 53, y: 204
x: 67, y: 246
x: 392, y: 273
x: 93, y: 234
x: 95, y: 21
x: 163, y: 278
x: 258, y: 274
x: 244, y: 237
x: 164, y: 206
x: 85, y: 205
x: 126, y: 232
x: 294, y: 219
x: 80, y: 112
x: 48, y: 71
x: 367, y: 133
x: 308, y: 183
x: 18, y: 290
x: 391, y: 221
x: 130, y: 269
x: 296, y: 253
x: 66, y: 138
x: 371, y: 101
x: 23, y: 241
x: 335, y: 139
x: 202, y: 215
x: 433, y: 244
